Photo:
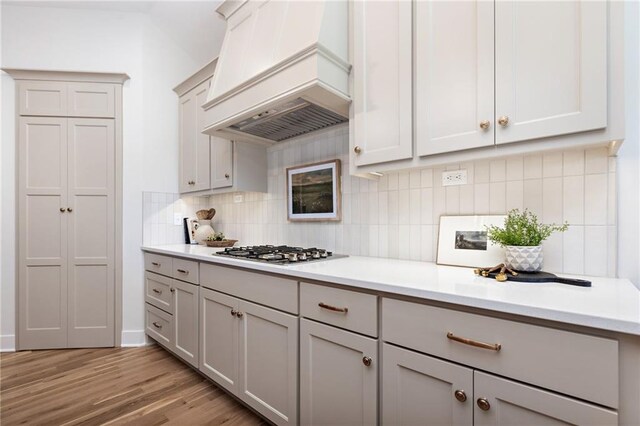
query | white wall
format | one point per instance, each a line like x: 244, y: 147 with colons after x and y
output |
x: 108, y: 41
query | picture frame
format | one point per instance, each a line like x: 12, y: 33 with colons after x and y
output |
x: 462, y: 241
x: 314, y: 192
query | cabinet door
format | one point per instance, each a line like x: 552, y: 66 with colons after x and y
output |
x: 91, y: 245
x: 219, y: 338
x: 91, y: 100
x: 187, y: 140
x: 511, y: 403
x: 202, y: 146
x: 42, y: 233
x: 336, y: 387
x: 269, y: 362
x: 221, y: 162
x: 42, y: 98
x: 185, y: 321
x: 382, y: 75
x: 419, y: 389
x: 551, y: 68
x: 454, y: 75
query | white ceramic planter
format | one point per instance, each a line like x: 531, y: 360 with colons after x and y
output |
x: 524, y: 258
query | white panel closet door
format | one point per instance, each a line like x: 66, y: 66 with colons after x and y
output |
x: 551, y: 68
x: 454, y: 75
x: 42, y: 224
x: 91, y: 232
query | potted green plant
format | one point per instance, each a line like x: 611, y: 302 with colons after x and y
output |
x: 522, y: 236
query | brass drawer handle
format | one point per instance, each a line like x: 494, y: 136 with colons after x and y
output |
x: 155, y: 264
x: 155, y: 290
x: 494, y: 347
x: 182, y: 271
x: 157, y: 325
x: 333, y: 308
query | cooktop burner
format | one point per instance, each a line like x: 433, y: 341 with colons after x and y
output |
x: 282, y: 255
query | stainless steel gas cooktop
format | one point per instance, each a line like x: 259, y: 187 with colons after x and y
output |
x: 281, y: 255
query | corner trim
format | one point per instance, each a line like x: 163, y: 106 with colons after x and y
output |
x: 133, y: 339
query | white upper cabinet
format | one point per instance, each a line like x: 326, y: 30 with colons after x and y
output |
x: 382, y: 89
x: 194, y: 145
x: 551, y: 68
x: 454, y: 58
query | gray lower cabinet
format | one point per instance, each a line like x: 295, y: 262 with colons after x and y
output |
x: 185, y: 321
x: 338, y: 376
x: 252, y: 351
x: 420, y: 389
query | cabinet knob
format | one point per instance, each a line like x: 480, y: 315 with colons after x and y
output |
x: 233, y: 312
x: 239, y: 314
x: 367, y: 361
x: 485, y: 124
x: 483, y: 404
x: 357, y: 149
x: 226, y: 175
x: 69, y: 209
x: 460, y: 395
x: 172, y: 290
x: 63, y: 209
x: 503, y: 121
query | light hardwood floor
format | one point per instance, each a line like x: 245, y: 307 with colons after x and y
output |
x: 142, y: 386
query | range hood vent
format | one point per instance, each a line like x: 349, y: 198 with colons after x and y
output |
x: 283, y: 70
x: 288, y: 121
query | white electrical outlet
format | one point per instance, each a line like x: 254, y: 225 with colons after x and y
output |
x: 238, y: 198
x: 177, y: 218
x: 454, y: 177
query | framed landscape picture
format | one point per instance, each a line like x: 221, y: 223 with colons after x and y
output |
x: 462, y: 241
x: 313, y: 192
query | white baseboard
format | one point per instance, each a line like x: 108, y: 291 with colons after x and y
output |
x: 133, y: 338
x: 8, y: 343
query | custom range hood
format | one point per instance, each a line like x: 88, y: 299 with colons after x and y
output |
x: 282, y: 70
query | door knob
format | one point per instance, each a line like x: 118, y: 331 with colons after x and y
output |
x: 62, y: 209
x: 357, y: 149
x: 69, y: 209
x: 460, y: 395
x: 483, y: 404
x: 485, y: 124
x: 503, y: 121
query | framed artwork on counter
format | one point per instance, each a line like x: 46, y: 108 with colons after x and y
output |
x: 462, y: 241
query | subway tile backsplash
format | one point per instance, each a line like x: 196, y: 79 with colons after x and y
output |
x: 397, y: 216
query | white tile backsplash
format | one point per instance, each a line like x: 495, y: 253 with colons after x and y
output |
x: 397, y: 216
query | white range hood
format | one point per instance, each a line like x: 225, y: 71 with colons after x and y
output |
x: 282, y: 71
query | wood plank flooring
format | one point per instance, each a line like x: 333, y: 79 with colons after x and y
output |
x: 142, y: 386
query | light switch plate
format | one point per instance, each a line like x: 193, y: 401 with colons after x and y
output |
x: 454, y: 177
x: 177, y: 218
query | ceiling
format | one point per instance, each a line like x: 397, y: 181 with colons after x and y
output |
x: 194, y: 25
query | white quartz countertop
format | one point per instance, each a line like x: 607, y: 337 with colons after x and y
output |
x: 609, y: 304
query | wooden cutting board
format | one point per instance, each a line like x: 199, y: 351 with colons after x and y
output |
x: 543, y: 277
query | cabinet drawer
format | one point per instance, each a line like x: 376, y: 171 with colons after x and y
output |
x: 43, y: 98
x: 343, y: 308
x: 185, y: 270
x: 157, y: 291
x: 571, y: 363
x: 159, y: 325
x: 266, y: 290
x: 158, y: 264
x: 91, y: 100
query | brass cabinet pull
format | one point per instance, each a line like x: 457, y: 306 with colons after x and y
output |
x: 367, y: 361
x: 485, y: 124
x: 239, y: 314
x: 63, y: 209
x: 492, y: 346
x: 483, y: 404
x: 333, y: 308
x: 155, y: 290
x: 69, y: 209
x: 503, y: 121
x: 182, y: 271
x: 460, y: 395
x: 156, y: 325
x: 233, y: 312
x: 155, y: 264
x: 357, y: 149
